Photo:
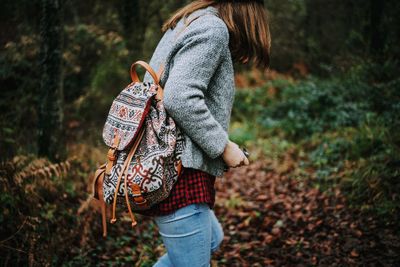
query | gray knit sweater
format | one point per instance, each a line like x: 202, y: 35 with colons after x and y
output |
x: 199, y: 88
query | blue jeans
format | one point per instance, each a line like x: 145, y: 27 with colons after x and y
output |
x: 190, y: 235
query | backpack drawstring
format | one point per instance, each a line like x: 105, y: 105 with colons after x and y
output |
x: 124, y: 172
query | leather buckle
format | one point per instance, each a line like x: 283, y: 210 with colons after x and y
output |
x: 137, y: 195
x: 111, y: 154
x: 136, y: 190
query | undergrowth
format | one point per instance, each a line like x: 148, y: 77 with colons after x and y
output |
x: 339, y: 132
x: 38, y: 216
x: 49, y: 218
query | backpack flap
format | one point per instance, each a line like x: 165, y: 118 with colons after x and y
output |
x: 127, y: 114
x: 129, y: 109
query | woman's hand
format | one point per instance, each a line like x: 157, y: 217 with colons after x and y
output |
x: 234, y: 156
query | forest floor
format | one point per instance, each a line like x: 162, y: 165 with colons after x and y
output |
x: 272, y: 219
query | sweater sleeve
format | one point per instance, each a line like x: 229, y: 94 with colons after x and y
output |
x: 193, y: 66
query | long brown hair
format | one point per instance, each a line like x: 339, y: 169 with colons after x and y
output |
x: 249, y: 35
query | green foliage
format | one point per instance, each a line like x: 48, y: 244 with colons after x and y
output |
x: 312, y: 106
x: 18, y: 95
x: 376, y: 185
x: 96, y: 68
x: 345, y: 130
x: 92, y: 56
x: 242, y: 133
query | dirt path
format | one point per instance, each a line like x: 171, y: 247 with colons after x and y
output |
x: 274, y: 220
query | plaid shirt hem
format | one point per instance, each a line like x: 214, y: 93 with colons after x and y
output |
x: 193, y: 186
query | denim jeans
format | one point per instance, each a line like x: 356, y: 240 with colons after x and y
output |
x: 190, y: 235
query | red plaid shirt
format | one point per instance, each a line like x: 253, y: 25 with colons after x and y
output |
x: 192, y: 186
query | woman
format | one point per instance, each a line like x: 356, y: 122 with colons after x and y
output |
x: 196, y: 51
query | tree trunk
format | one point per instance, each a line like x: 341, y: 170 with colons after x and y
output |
x: 50, y: 125
x: 377, y: 38
x: 133, y: 18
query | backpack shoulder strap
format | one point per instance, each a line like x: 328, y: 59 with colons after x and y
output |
x: 160, y: 71
x: 147, y: 67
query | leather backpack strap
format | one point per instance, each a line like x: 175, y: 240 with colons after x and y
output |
x: 147, y: 67
x: 160, y: 71
x: 97, y: 174
x: 99, y: 194
x: 102, y: 204
x: 111, y: 155
x: 160, y: 93
x: 123, y: 172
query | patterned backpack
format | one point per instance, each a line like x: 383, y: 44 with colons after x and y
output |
x: 144, y: 153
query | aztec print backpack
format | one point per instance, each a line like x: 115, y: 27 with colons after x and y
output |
x: 145, y: 146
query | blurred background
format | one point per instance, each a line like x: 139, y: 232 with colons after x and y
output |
x: 323, y: 119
